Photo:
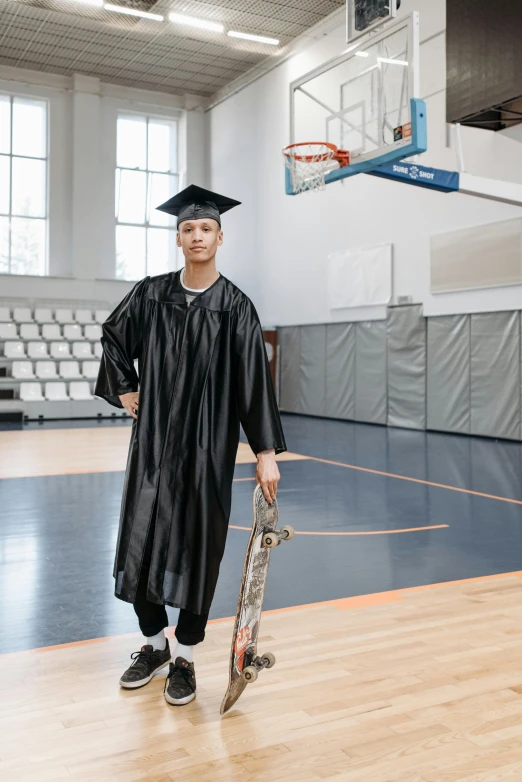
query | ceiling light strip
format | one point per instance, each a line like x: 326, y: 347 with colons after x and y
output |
x: 120, y: 9
x: 249, y: 37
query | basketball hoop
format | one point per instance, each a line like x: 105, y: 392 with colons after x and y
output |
x: 309, y: 161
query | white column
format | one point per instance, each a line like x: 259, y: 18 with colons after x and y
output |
x: 86, y: 212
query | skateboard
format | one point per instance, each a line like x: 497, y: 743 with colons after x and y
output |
x: 245, y: 663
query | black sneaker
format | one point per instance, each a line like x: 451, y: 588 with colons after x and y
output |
x: 146, y: 663
x: 180, y: 684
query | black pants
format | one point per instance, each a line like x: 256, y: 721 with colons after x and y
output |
x: 152, y: 617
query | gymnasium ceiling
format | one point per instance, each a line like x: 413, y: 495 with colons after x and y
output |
x: 66, y: 37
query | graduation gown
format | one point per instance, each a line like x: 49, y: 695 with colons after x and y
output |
x: 203, y: 369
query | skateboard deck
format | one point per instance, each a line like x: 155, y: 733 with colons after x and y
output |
x: 244, y: 661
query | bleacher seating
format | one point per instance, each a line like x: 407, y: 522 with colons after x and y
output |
x: 60, y: 350
x: 51, y: 354
x: 43, y: 315
x: 22, y: 315
x: 69, y: 369
x: 64, y: 316
x: 31, y: 392
x: 37, y: 350
x: 93, y: 332
x: 14, y: 349
x: 90, y: 369
x: 82, y: 350
x: 56, y: 392
x: 46, y: 370
x: 22, y: 369
x: 29, y: 331
x: 51, y: 331
x: 73, y: 331
x: 83, y: 316
x: 79, y: 389
x: 8, y: 331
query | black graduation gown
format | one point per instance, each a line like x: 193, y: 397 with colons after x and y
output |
x: 203, y: 369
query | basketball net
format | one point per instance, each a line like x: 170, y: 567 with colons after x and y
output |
x: 308, y: 163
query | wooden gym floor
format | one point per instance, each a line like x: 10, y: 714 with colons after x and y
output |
x: 423, y: 685
x: 394, y: 616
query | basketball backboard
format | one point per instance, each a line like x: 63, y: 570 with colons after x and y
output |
x: 365, y: 15
x: 365, y: 101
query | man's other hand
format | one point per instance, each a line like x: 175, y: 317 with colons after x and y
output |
x: 131, y: 402
x: 267, y: 474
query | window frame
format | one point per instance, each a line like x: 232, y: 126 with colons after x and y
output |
x: 12, y: 96
x: 146, y: 225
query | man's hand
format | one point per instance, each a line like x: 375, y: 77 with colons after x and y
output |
x: 131, y: 402
x: 267, y: 474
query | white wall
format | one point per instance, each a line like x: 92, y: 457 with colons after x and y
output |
x: 276, y: 246
x: 82, y: 161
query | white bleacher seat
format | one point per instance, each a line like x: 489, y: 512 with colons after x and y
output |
x: 46, y: 370
x: 100, y: 316
x: 37, y: 350
x: 98, y: 350
x: 93, y: 332
x: 90, y: 369
x: 83, y: 316
x: 22, y: 369
x: 60, y: 350
x: 51, y: 331
x: 64, y: 316
x: 82, y: 350
x: 80, y: 389
x: 29, y: 331
x: 73, y: 331
x: 31, y: 392
x: 5, y: 315
x: 22, y: 315
x: 43, y: 315
x: 8, y: 331
x: 56, y: 392
x: 69, y: 369
x: 14, y: 349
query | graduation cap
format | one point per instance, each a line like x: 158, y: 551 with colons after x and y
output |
x: 196, y: 203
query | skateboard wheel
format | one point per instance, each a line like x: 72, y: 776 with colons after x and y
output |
x: 269, y: 659
x: 250, y: 673
x: 270, y: 540
x: 287, y: 531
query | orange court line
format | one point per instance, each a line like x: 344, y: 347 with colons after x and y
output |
x: 344, y: 604
x: 373, y: 532
x: 416, y: 480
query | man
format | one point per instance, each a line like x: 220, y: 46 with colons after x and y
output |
x: 203, y: 369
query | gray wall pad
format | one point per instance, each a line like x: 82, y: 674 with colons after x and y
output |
x: 340, y: 370
x: 495, y: 374
x: 448, y: 378
x: 370, y: 372
x: 312, y: 370
x: 407, y: 368
x: 289, y: 339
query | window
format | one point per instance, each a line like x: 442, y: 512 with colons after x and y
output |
x: 146, y: 176
x: 23, y: 186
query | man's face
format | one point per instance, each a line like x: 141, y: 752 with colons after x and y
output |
x: 199, y: 239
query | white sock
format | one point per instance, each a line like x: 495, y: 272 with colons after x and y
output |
x: 158, y: 641
x: 187, y: 652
